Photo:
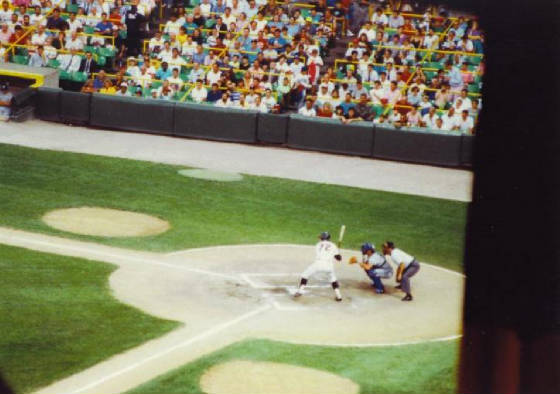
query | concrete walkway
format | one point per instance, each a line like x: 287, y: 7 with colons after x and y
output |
x: 397, y: 177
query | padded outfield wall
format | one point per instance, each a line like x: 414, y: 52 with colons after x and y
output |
x: 294, y: 131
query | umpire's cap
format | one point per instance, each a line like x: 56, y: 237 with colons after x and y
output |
x: 324, y: 236
x: 367, y: 246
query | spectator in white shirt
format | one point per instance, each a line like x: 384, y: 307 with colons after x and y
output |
x: 307, y: 109
x: 166, y: 52
x: 438, y: 124
x: 5, y: 34
x: 123, y: 90
x: 465, y: 123
x: 156, y: 43
x: 176, y: 61
x: 40, y: 36
x: 175, y: 81
x: 205, y: 8
x: 196, y: 73
x: 377, y: 93
x: 133, y: 70
x: 224, y: 102
x: 172, y: 26
x: 213, y: 75
x: 199, y: 93
x: 38, y: 59
x: 394, y: 94
x: 314, y: 58
x: 379, y: 18
x: 70, y: 62
x: 450, y: 120
x: 5, y: 12
x: 269, y: 100
x: 37, y: 18
x: 258, y: 105
x: 429, y: 119
x: 323, y: 96
x: 413, y: 117
x: 466, y: 102
x: 368, y: 30
x: 431, y: 39
x: 188, y: 48
x: 396, y: 20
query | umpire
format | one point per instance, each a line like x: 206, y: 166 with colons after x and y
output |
x: 407, y: 265
x: 375, y: 266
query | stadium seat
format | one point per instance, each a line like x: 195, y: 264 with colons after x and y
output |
x: 79, y: 76
x: 20, y: 59
x: 473, y: 88
x: 106, y: 52
x: 53, y: 63
x: 437, y: 65
x: 429, y: 74
x: 475, y: 59
x: 65, y: 75
x: 89, y: 30
x: 72, y: 8
x: 101, y: 60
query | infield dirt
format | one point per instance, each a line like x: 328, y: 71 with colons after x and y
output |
x: 230, y: 293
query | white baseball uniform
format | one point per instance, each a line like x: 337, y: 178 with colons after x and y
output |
x: 324, y: 261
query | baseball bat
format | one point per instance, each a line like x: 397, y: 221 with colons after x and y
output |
x: 341, y: 235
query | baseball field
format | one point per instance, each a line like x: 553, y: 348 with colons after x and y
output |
x: 133, y: 276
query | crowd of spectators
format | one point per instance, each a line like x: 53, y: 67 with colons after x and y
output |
x: 420, y: 70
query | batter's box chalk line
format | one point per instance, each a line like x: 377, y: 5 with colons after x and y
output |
x: 291, y: 282
x: 275, y: 299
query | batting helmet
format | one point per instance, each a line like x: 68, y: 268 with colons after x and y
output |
x: 367, y: 246
x: 324, y: 236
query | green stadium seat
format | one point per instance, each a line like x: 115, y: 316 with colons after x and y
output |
x: 122, y: 34
x: 477, y: 79
x: 89, y: 48
x: 53, y: 63
x: 106, y: 52
x: 430, y: 74
x: 20, y: 59
x: 473, y: 88
x: 378, y: 109
x: 89, y: 30
x: 475, y: 59
x: 65, y: 75
x: 79, y: 76
x: 101, y: 60
x: 437, y: 65
x: 72, y: 8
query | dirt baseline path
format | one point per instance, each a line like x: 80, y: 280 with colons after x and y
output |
x: 228, y: 293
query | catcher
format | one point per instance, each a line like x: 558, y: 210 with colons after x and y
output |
x: 375, y: 266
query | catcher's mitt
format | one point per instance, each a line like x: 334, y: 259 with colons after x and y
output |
x: 353, y: 260
x: 400, y: 271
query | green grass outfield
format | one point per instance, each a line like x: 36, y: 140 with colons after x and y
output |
x: 423, y: 368
x: 58, y: 317
x: 47, y: 301
x: 205, y: 213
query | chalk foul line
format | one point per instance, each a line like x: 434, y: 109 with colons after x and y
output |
x: 190, y: 341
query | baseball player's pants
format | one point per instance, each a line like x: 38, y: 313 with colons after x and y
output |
x: 320, y: 267
x: 376, y: 274
x: 410, y: 271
